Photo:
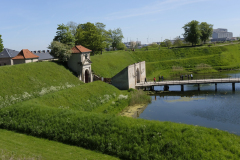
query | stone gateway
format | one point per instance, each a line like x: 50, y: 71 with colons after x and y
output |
x: 130, y: 76
x: 80, y: 63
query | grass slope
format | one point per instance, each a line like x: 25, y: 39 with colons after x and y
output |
x: 110, y: 63
x: 123, y: 137
x: 33, y: 77
x: 92, y: 97
x: 26, y: 81
x: 160, y: 62
x: 19, y: 146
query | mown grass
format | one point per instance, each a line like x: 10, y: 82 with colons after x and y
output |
x: 110, y: 63
x: 19, y: 146
x: 92, y: 97
x: 26, y: 81
x: 160, y: 62
x: 123, y: 137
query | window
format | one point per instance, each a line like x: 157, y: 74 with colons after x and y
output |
x: 85, y: 56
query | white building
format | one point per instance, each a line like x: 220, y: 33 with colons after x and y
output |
x: 221, y: 34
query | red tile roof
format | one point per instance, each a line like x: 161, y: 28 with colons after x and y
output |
x: 25, y: 54
x: 80, y: 49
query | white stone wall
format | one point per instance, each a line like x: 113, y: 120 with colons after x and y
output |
x: 132, y: 73
x: 73, y: 63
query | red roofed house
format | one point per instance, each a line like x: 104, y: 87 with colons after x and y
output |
x: 25, y: 56
x: 80, y: 63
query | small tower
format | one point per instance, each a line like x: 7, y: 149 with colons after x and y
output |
x: 80, y: 63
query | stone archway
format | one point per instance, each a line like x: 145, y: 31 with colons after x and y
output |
x: 138, y: 76
x: 87, y: 76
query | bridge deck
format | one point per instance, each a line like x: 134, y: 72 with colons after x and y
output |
x: 184, y: 82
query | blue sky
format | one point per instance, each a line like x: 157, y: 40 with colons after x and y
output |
x: 33, y: 24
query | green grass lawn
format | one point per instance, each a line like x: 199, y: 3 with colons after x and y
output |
x: 97, y: 97
x: 161, y: 62
x: 19, y: 146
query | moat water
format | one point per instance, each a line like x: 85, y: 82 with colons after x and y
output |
x: 209, y: 108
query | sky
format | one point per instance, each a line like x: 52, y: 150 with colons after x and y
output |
x: 32, y: 25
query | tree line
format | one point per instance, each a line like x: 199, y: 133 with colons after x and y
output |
x: 194, y: 33
x: 92, y: 36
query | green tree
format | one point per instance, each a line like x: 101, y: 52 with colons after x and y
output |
x: 60, y: 50
x: 116, y: 36
x: 1, y: 43
x: 168, y: 43
x: 121, y: 46
x: 192, y: 32
x: 162, y: 44
x: 72, y: 27
x: 177, y: 42
x: 91, y: 36
x: 206, y: 31
x: 64, y: 35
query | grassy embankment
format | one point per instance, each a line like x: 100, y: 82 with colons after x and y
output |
x: 26, y: 83
x: 19, y: 146
x: 170, y: 62
x: 65, y: 121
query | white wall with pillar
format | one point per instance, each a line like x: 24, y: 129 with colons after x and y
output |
x: 130, y: 76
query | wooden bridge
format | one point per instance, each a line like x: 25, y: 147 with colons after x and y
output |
x: 166, y: 84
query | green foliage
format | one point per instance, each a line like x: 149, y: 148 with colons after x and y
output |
x: 116, y: 36
x: 27, y: 81
x: 60, y: 50
x: 139, y: 97
x: 192, y: 32
x: 206, y: 31
x: 168, y: 43
x: 1, y: 43
x: 64, y: 35
x: 178, y: 42
x: 91, y: 36
x: 163, y: 44
x: 121, y: 46
x: 154, y: 45
x: 126, y: 138
x: 22, y: 147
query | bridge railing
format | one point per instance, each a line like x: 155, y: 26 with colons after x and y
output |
x: 191, y: 81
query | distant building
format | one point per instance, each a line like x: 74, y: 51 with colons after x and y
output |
x: 221, y: 34
x: 6, y: 56
x: 11, y: 57
x: 25, y: 56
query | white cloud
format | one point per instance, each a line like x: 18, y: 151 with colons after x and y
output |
x: 153, y: 8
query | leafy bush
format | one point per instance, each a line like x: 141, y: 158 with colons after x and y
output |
x: 139, y: 97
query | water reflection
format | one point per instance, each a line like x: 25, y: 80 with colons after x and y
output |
x: 207, y: 107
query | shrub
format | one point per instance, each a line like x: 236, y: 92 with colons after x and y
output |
x: 139, y: 97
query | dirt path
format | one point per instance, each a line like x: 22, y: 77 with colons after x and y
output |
x: 133, y: 111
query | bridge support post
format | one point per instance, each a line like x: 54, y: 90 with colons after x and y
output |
x: 198, y: 87
x: 182, y: 87
x: 233, y: 86
x: 215, y: 86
